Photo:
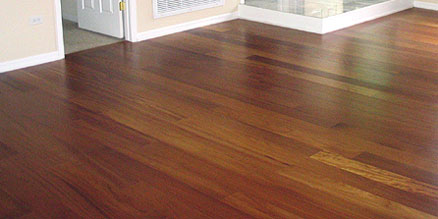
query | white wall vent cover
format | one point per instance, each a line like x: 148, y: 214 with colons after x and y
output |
x: 164, y: 8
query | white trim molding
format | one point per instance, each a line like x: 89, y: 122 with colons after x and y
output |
x: 323, y: 25
x: 282, y: 19
x: 130, y: 19
x: 186, y: 26
x: 29, y: 61
x: 364, y: 14
x: 426, y: 5
x: 59, y: 30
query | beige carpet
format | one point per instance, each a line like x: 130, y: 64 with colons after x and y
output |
x: 76, y: 39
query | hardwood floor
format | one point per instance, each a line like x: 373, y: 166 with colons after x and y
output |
x: 234, y: 120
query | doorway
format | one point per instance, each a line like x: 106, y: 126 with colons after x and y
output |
x: 88, y: 24
x: 77, y: 39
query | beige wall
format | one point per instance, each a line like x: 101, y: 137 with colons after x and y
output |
x: 18, y: 39
x: 146, y: 21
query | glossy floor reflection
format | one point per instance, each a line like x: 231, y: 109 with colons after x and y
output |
x: 233, y: 120
x: 313, y: 8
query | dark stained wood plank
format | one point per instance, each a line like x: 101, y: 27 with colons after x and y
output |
x: 234, y: 120
x: 399, y: 168
x: 336, y: 77
x: 368, y: 200
x: 155, y: 198
x: 379, y: 175
x: 6, y: 151
x: 35, y: 190
x: 10, y: 207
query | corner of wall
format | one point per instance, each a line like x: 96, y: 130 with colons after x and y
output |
x: 44, y: 44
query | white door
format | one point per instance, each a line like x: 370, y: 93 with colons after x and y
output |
x: 101, y: 16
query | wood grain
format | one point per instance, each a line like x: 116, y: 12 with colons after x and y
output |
x: 233, y: 120
x: 350, y: 193
x: 376, y: 174
x: 399, y: 168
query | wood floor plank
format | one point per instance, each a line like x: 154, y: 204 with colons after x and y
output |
x: 399, y: 168
x: 367, y: 200
x: 251, y: 138
x: 311, y: 166
x: 256, y: 207
x: 233, y: 120
x: 10, y: 207
x: 334, y: 140
x: 376, y: 174
x: 6, y: 151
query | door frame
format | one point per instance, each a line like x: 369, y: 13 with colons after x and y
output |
x: 129, y: 24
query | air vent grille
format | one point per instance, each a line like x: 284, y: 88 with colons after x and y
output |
x: 164, y: 8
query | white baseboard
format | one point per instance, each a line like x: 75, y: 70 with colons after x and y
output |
x: 70, y: 17
x: 323, y: 25
x: 185, y: 26
x: 364, y: 14
x: 30, y: 61
x: 426, y: 5
x: 282, y: 19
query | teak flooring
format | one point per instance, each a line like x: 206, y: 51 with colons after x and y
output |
x: 234, y: 120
